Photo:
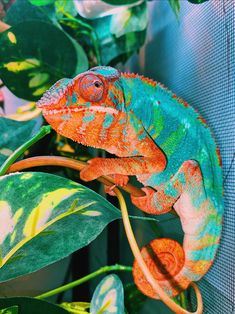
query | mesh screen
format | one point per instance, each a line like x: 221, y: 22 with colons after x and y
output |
x: 195, y: 58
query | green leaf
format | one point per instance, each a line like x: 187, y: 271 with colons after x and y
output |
x: 23, y: 10
x: 10, y: 310
x: 129, y: 20
x: 62, y: 6
x: 114, y: 49
x: 13, y: 134
x: 46, y: 218
x: 175, y: 5
x: 120, y: 2
x: 134, y: 299
x: 76, y: 307
x: 197, y: 1
x: 108, y: 296
x: 28, y: 305
x: 41, y: 2
x: 31, y: 60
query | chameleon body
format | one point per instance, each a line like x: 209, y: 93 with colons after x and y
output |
x: 158, y: 138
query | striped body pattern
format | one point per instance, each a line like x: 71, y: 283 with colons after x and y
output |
x: 161, y: 140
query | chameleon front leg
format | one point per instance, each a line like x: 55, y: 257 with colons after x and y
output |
x: 122, y: 166
x: 160, y: 201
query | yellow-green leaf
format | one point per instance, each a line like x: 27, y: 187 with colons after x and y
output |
x: 17, y: 66
x: 76, y: 307
x: 38, y: 79
x: 44, y: 218
x: 34, y: 54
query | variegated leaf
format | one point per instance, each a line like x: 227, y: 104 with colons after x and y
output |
x: 44, y: 218
x: 28, y: 68
x: 108, y: 297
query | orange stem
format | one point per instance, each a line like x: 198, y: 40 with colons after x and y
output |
x: 69, y: 163
x: 137, y: 254
x: 73, y: 164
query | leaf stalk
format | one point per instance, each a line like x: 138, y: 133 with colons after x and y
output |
x: 20, y: 150
x: 78, y: 282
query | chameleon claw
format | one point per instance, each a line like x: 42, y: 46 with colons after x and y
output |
x: 109, y: 189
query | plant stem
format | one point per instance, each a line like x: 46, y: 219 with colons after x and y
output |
x: 69, y: 163
x: 78, y: 165
x: 148, y: 275
x: 20, y: 150
x: 78, y: 282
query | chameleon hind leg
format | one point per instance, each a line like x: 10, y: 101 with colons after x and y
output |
x: 161, y: 201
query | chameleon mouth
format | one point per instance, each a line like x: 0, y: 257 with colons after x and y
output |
x: 99, y: 109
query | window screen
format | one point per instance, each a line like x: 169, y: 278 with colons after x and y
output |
x: 194, y: 57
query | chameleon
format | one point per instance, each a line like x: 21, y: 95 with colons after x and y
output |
x: 165, y: 143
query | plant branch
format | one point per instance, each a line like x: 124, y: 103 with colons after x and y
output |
x: 78, y: 282
x: 20, y: 150
x: 73, y: 164
x: 136, y: 252
x: 69, y: 163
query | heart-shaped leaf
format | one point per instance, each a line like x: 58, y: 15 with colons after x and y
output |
x: 34, y: 55
x: 13, y: 134
x: 30, y: 306
x: 108, y: 296
x: 44, y: 218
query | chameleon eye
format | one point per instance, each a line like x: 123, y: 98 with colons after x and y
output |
x: 91, y: 87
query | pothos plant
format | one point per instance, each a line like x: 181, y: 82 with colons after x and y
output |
x: 45, y: 217
x: 41, y: 42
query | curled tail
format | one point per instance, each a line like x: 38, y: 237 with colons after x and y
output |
x: 175, y: 266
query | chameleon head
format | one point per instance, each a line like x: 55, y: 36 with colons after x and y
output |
x: 80, y: 108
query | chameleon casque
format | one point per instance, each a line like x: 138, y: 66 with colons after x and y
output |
x: 165, y: 143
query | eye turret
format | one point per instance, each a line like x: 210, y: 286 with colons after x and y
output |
x: 91, y: 87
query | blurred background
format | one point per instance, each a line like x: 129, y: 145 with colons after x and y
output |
x: 191, y: 51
